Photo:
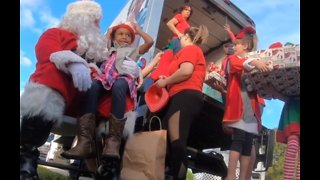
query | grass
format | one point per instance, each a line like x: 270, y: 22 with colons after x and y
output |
x: 46, y: 174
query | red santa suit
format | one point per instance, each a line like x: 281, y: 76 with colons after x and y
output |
x: 234, y: 104
x: 47, y: 73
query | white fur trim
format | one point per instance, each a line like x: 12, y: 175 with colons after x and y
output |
x: 85, y: 7
x: 130, y: 124
x: 62, y: 58
x: 38, y: 99
x: 246, y: 64
x: 95, y: 67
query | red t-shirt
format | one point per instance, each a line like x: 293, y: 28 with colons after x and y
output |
x: 194, y: 55
x: 182, y: 24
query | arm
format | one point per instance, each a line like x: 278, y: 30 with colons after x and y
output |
x: 63, y: 58
x: 172, y: 26
x: 182, y: 74
x: 231, y: 35
x: 148, y: 41
x: 255, y: 63
x: 146, y: 71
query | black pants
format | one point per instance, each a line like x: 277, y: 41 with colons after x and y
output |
x: 188, y: 105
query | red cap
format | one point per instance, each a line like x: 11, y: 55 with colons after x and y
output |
x: 126, y: 26
x: 275, y: 45
x: 244, y: 31
x: 156, y: 98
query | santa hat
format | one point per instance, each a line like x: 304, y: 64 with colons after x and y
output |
x: 275, y: 45
x: 245, y: 31
x: 85, y: 7
x: 128, y: 26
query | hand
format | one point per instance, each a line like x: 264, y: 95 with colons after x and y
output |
x: 227, y: 27
x: 80, y: 76
x: 131, y: 67
x: 161, y: 83
x: 137, y: 29
x: 157, y: 57
x: 180, y: 35
x: 219, y: 86
x: 227, y: 130
x: 261, y: 66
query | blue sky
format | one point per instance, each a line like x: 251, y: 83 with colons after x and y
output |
x: 276, y: 20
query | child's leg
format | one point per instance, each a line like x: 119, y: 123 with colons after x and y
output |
x: 238, y: 138
x: 252, y: 161
x: 232, y: 165
x: 293, y: 147
x: 244, y: 167
x: 245, y: 158
x: 120, y: 89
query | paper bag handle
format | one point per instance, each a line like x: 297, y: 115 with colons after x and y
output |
x: 155, y: 117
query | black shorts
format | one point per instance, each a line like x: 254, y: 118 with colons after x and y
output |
x: 241, y: 142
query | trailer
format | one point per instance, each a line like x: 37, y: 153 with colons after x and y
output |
x: 207, y: 143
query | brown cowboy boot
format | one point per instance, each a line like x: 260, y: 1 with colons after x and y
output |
x: 113, y: 139
x: 85, y: 147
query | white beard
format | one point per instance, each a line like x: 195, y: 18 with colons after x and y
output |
x: 92, y: 45
x: 90, y: 42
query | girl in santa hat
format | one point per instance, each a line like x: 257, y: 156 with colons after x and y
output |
x: 119, y: 80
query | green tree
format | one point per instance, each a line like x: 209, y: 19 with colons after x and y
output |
x: 275, y: 172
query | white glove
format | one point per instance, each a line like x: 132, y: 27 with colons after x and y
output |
x: 80, y: 75
x: 131, y: 67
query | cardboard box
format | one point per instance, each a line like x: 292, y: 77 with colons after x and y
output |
x: 285, y: 74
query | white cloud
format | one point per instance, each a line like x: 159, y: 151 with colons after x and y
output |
x: 48, y: 19
x: 258, y: 7
x: 31, y: 3
x: 27, y: 20
x: 268, y: 111
x: 24, y: 60
x: 275, y: 20
x: 36, y: 16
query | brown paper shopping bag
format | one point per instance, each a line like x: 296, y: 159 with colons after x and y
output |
x: 144, y: 155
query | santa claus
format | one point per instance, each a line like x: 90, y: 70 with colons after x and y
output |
x: 61, y: 77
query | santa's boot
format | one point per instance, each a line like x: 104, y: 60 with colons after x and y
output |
x: 85, y: 147
x: 34, y: 133
x: 110, y: 165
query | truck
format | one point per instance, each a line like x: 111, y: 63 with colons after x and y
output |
x: 206, y: 139
x: 207, y: 143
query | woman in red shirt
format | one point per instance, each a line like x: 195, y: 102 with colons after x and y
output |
x: 184, y: 84
x: 178, y: 24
